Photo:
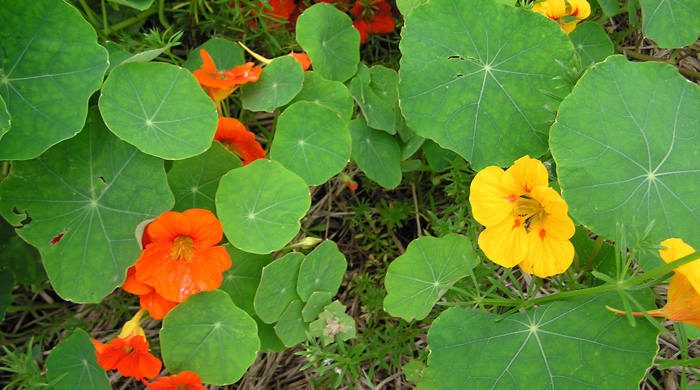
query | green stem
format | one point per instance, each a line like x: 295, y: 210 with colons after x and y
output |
x: 594, y: 253
x: 104, y: 18
x: 643, y: 57
x: 35, y: 307
x: 161, y: 14
x: 91, y: 19
x: 128, y: 22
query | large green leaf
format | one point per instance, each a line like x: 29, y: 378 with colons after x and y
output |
x: 291, y: 328
x: 279, y: 82
x: 419, y: 277
x: 471, y: 72
x: 23, y: 259
x: 332, y: 43
x: 75, y: 358
x: 194, y: 181
x: 51, y: 64
x: 571, y: 344
x: 378, y: 113
x: 278, y: 287
x: 242, y: 279
x: 376, y: 153
x: 7, y: 284
x: 332, y: 94
x: 591, y: 43
x: 623, y: 143
x: 85, y: 197
x: 225, y: 54
x: 322, y: 270
x: 208, y: 335
x: 671, y: 23
x: 160, y: 109
x: 5, y: 117
x: 260, y: 205
x: 312, y: 141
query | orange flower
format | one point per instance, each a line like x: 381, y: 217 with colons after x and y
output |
x: 239, y: 141
x: 183, y: 381
x: 281, y: 9
x: 128, y: 352
x: 183, y: 259
x: 220, y: 85
x: 303, y: 59
x: 149, y: 299
x: 373, y: 17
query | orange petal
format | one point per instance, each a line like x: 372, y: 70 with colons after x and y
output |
x: 303, y: 59
x: 156, y: 305
x: 506, y: 243
x: 167, y: 226
x: 683, y: 301
x: 205, y: 230
x: 208, y: 81
x: 208, y: 266
x: 133, y: 285
x: 208, y: 65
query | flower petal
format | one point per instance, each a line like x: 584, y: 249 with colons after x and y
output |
x: 132, y: 285
x: 546, y: 255
x: 677, y: 249
x: 525, y: 174
x: 208, y: 267
x: 557, y: 222
x: 491, y: 202
x: 208, y: 65
x: 506, y: 243
x: 206, y: 231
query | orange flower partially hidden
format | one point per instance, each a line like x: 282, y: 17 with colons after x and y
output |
x: 568, y: 15
x: 128, y: 353
x: 149, y: 299
x: 527, y: 223
x: 303, y: 59
x: 373, y: 17
x: 183, y: 381
x: 239, y: 141
x: 183, y: 259
x: 220, y: 85
x: 682, y: 300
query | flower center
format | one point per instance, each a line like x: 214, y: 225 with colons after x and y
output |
x: 531, y: 212
x: 182, y: 387
x: 232, y: 148
x: 183, y: 248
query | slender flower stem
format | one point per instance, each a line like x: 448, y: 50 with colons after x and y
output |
x: 128, y: 22
x: 161, y: 14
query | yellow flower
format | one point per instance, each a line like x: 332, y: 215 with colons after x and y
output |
x: 527, y: 223
x: 558, y: 10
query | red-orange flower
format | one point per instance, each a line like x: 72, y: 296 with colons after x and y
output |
x: 303, y: 59
x: 183, y: 259
x: 281, y: 9
x: 373, y: 17
x: 241, y: 142
x: 220, y: 85
x: 183, y: 381
x: 129, y: 356
x: 149, y: 299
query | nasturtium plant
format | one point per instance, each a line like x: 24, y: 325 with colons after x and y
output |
x: 86, y: 196
x: 278, y: 287
x: 74, y: 361
x: 51, y: 64
x: 572, y: 343
x: 207, y: 334
x: 331, y: 94
x: 438, y: 158
x: 225, y: 54
x: 291, y: 328
x: 378, y: 113
x: 279, y: 82
x: 332, y: 43
x: 194, y: 180
x: 591, y: 43
x: 376, y: 153
x: 312, y: 141
x: 315, y: 305
x: 269, y: 342
x: 671, y: 23
x: 242, y: 279
x: 321, y: 270
x: 160, y: 109
x: 471, y: 74
x: 638, y: 118
x: 260, y: 205
x: 419, y: 277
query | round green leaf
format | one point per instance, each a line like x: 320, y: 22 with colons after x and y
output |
x: 242, y: 279
x: 85, y: 196
x: 315, y: 305
x: 671, y: 23
x: 624, y: 147
x: 591, y: 43
x: 208, y: 335
x: 194, y: 181
x: 376, y: 153
x: 384, y: 84
x: 225, y: 54
x: 471, y: 72
x: 332, y: 43
x: 322, y: 270
x: 51, y: 64
x: 279, y: 82
x: 278, y: 287
x: 23, y: 259
x: 332, y: 94
x: 438, y: 158
x: 406, y: 6
x: 291, y: 328
x: 269, y: 342
x: 571, y: 344
x: 260, y: 205
x: 160, y: 109
x: 379, y: 113
x: 7, y: 284
x: 75, y: 358
x: 312, y: 141
x: 419, y: 277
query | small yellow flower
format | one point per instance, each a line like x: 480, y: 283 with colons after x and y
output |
x: 527, y: 223
x: 558, y: 10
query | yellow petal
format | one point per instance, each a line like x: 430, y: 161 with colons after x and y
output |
x: 491, y: 203
x: 557, y: 222
x: 547, y: 255
x: 677, y: 249
x: 525, y: 174
x: 553, y: 9
x: 569, y: 27
x: 579, y: 8
x: 506, y: 243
